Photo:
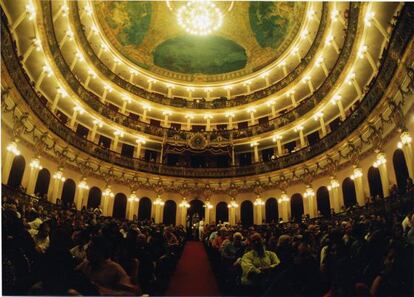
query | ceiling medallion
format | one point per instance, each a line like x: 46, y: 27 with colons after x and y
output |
x: 200, y: 17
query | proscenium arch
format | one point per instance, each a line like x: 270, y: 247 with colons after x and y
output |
x: 349, y: 192
x: 297, y: 208
x: 400, y: 169
x: 170, y: 213
x: 120, y: 205
x: 272, y: 211
x: 16, y: 172
x: 144, y: 209
x: 375, y: 184
x: 42, y: 182
x: 68, y: 192
x: 94, y: 198
x: 322, y: 201
x: 222, y: 212
x: 246, y: 213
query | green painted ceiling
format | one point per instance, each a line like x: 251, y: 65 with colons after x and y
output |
x: 253, y: 35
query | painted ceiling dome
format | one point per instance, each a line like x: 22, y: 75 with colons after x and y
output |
x: 253, y: 35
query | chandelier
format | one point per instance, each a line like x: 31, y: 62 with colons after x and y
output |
x: 199, y: 17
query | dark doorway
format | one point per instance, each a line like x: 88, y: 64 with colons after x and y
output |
x: 120, y: 205
x: 322, y: 201
x: 246, y: 212
x: 68, y: 192
x: 400, y: 169
x: 42, y: 183
x: 349, y: 192
x: 375, y: 184
x: 144, y: 209
x: 272, y: 212
x: 169, y: 215
x: 94, y: 198
x: 222, y: 212
x: 16, y: 172
x: 196, y: 209
x: 296, y: 206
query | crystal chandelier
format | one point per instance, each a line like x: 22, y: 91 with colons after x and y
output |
x: 199, y: 17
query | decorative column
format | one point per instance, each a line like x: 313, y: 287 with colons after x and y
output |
x: 319, y: 116
x: 309, y: 196
x: 30, y: 12
x: 11, y: 152
x: 102, y: 49
x: 350, y: 80
x: 370, y: 18
x: 189, y: 117
x: 255, y: 145
x: 46, y: 72
x: 228, y: 91
x: 36, y: 44
x: 170, y: 87
x: 251, y: 110
x: 78, y: 57
x: 96, y: 124
x: 132, y: 74
x: 321, y: 63
x: 258, y: 217
x: 61, y: 93
x: 55, y: 191
x: 230, y: 115
x: 307, y: 80
x: 278, y: 140
x: 271, y: 104
x: 283, y: 66
x: 233, y: 156
x: 133, y: 205
x: 357, y: 178
x: 291, y: 94
x: 208, y: 118
x: 146, y: 107
x: 380, y: 163
x: 247, y: 85
x: 81, y: 197
x: 336, y: 99
x: 208, y: 207
x: 265, y: 76
x: 107, y: 89
x: 363, y: 52
x: 184, y: 205
x: 140, y: 141
x: 117, y: 134
x: 406, y: 147
x: 76, y: 110
x: 91, y: 75
x: 283, y: 208
x: 107, y: 196
x: 295, y: 52
x: 208, y: 92
x: 166, y: 114
x: 117, y: 62
x: 125, y: 101
x: 151, y: 81
x: 333, y: 189
x: 301, y: 136
x: 34, y: 172
x: 63, y: 11
x: 159, y: 206
x: 330, y: 40
x: 232, y: 211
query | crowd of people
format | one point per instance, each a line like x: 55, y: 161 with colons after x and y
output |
x: 361, y: 252
x: 50, y: 250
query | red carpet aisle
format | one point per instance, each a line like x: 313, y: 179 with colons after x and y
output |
x: 193, y: 276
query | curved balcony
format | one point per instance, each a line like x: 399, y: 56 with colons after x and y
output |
x: 305, y: 106
x: 399, y: 41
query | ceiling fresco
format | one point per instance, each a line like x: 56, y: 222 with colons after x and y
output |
x: 253, y: 35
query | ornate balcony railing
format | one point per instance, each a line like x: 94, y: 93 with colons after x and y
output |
x: 94, y: 102
x: 400, y: 38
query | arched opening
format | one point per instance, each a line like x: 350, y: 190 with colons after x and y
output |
x: 400, y: 169
x: 170, y: 210
x: 144, y: 209
x: 94, y: 198
x: 196, y: 210
x: 349, y: 192
x: 68, y: 192
x: 296, y: 206
x: 222, y: 212
x: 272, y: 212
x: 16, y: 172
x: 375, y: 184
x: 322, y: 201
x: 120, y: 205
x: 42, y: 183
x: 246, y: 213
